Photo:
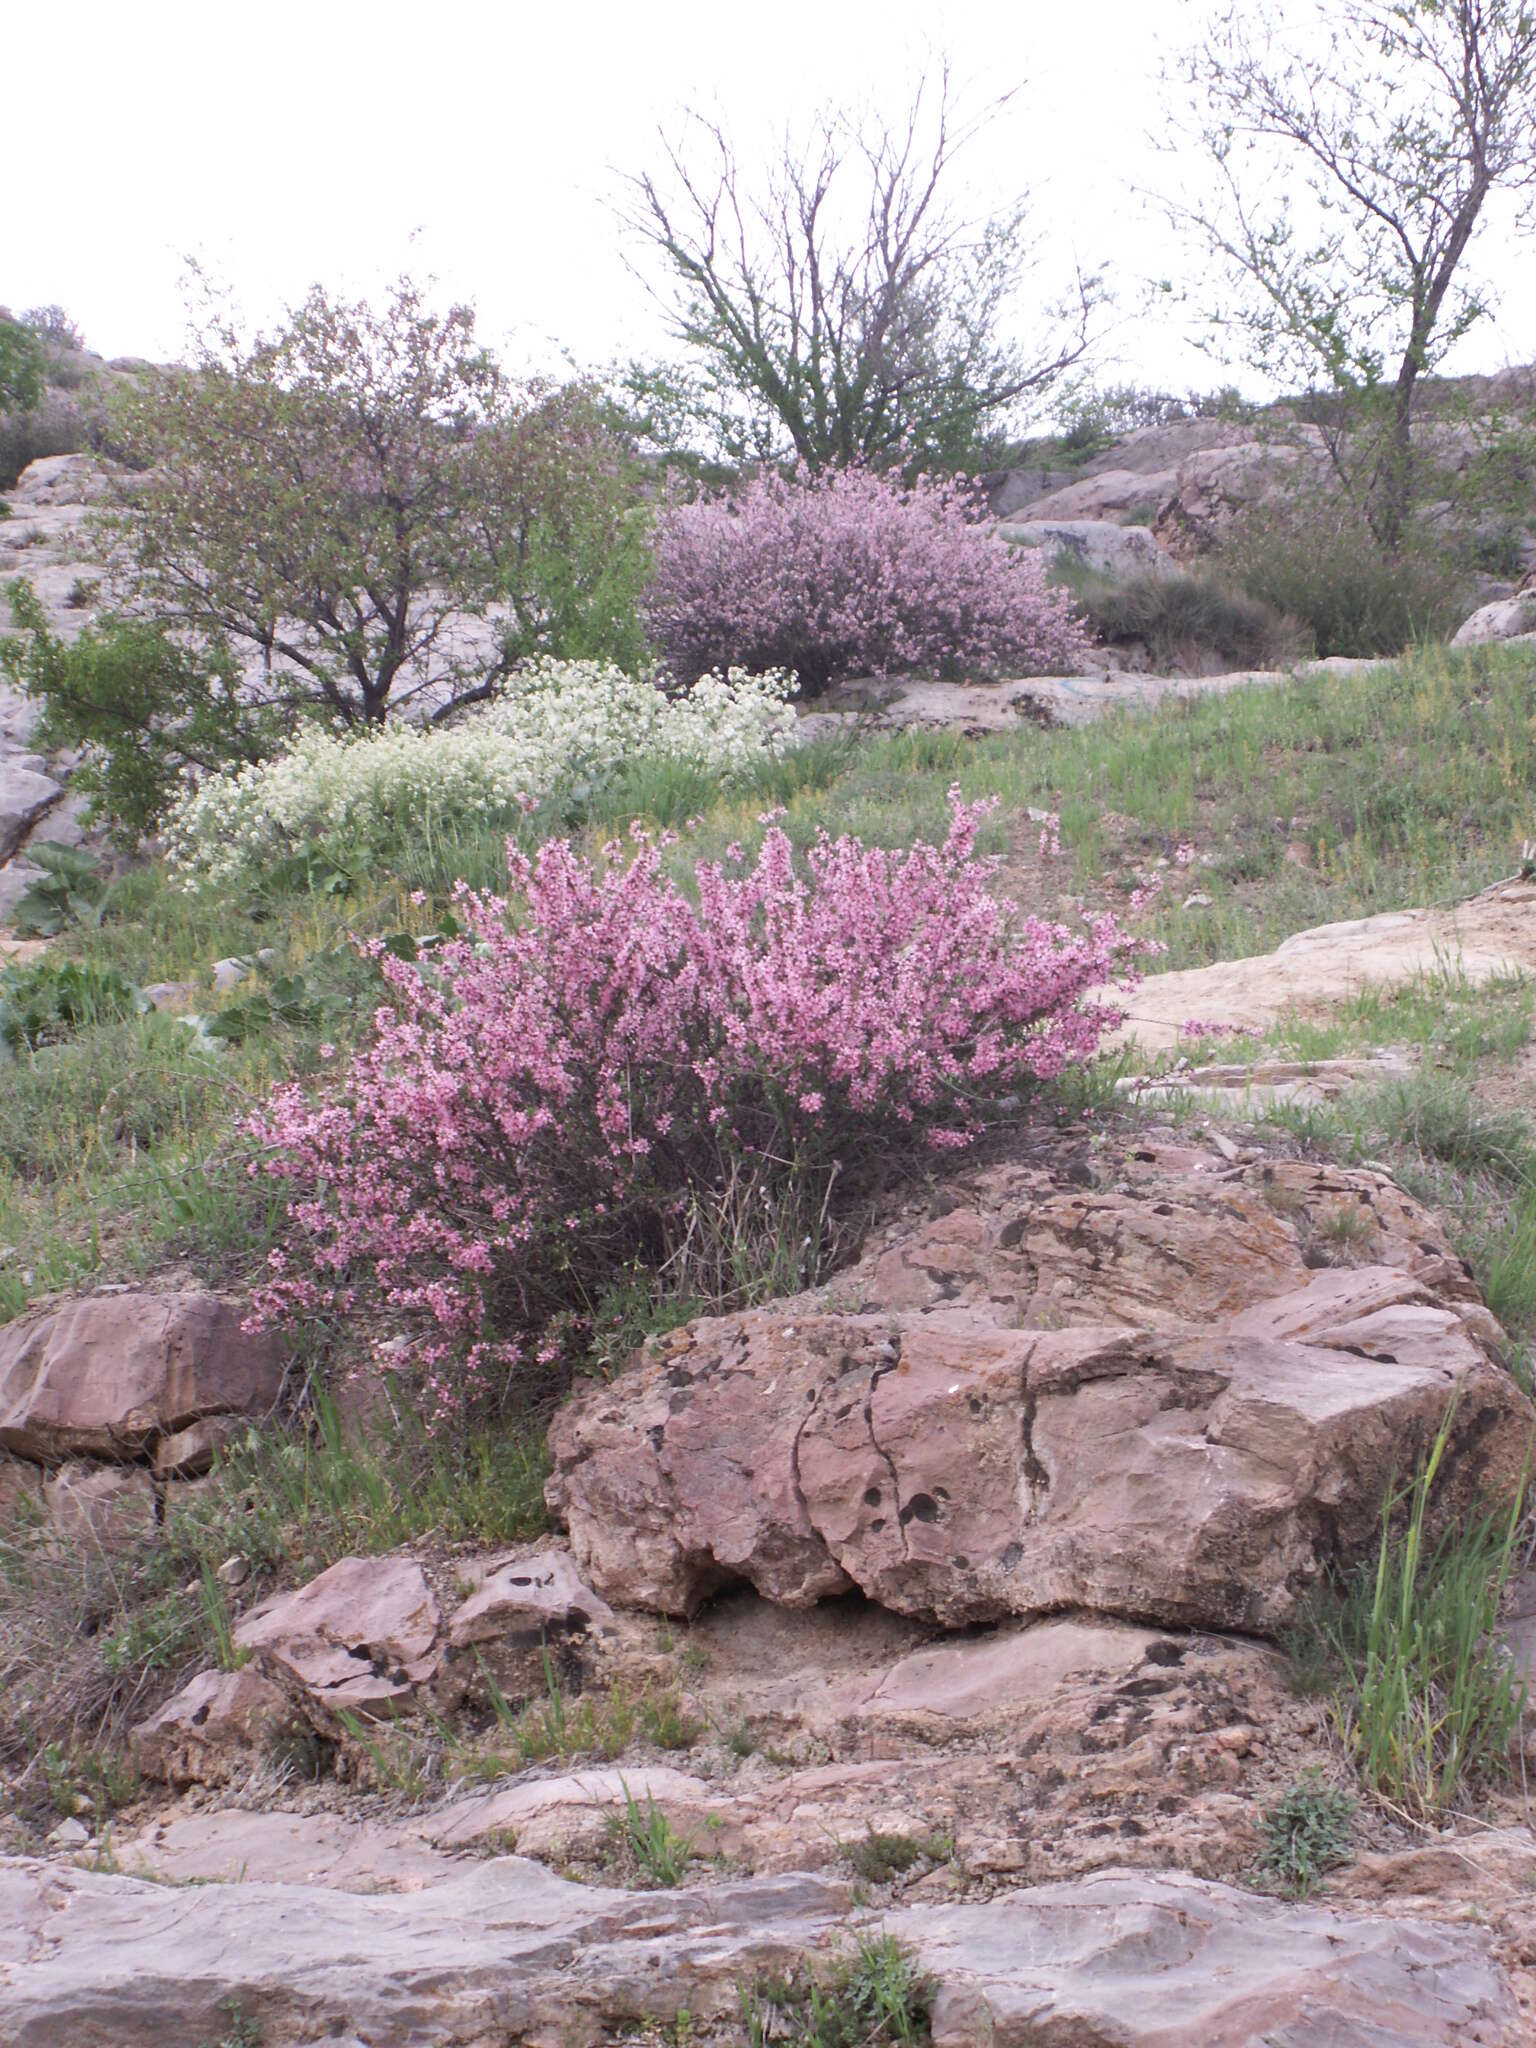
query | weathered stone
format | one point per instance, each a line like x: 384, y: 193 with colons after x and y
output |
x: 106, y: 1375
x: 1141, y: 1401
x: 519, y: 1602
x: 213, y: 1730
x: 26, y: 796
x: 1240, y: 1090
x: 190, y: 1452
x: 361, y: 1637
x: 170, y: 995
x: 1094, y: 544
x: 1118, y: 1962
x: 1510, y: 618
x: 58, y: 480
x: 1491, y: 936
x: 508, y: 1951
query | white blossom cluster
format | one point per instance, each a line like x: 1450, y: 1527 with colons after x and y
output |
x: 558, y: 726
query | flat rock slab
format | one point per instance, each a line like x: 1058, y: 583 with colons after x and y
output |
x: 1237, y: 1089
x: 508, y: 1952
x: 108, y: 1375
x: 1486, y: 939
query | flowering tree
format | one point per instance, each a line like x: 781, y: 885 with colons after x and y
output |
x: 555, y: 1096
x: 851, y: 573
x: 370, y: 512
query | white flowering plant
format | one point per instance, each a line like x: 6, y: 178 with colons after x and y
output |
x: 558, y: 727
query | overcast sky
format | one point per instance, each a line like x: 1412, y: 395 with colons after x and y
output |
x: 345, y: 139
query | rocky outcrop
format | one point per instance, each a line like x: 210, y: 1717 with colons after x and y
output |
x: 1315, y: 971
x: 954, y: 1470
x: 110, y: 1375
x: 368, y: 1638
x: 510, y: 1952
x: 1509, y: 618
x: 1093, y: 544
x: 1139, y: 1400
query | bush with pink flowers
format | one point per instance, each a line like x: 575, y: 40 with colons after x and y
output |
x: 852, y: 573
x: 581, y: 1083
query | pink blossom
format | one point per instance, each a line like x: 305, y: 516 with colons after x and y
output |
x: 544, y: 1103
x: 852, y: 573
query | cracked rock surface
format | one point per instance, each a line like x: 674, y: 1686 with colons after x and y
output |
x: 1141, y: 1401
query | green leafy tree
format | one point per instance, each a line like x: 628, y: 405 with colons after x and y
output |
x: 836, y: 306
x: 1356, y: 145
x: 22, y: 366
x: 143, y: 708
x: 369, y: 514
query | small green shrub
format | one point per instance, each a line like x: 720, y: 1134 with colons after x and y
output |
x: 877, y: 1858
x: 1306, y: 1834
x: 69, y: 891
x: 142, y: 705
x: 877, y: 1998
x: 1315, y: 560
x: 646, y: 1838
x: 1188, y: 621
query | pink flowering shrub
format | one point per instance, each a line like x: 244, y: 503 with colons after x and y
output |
x: 546, y: 1102
x: 851, y: 573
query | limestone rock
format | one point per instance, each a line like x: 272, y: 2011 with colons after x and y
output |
x: 1105, y: 495
x: 507, y: 1951
x: 1117, y: 1962
x: 213, y: 1730
x: 59, y: 480
x: 362, y: 1636
x: 190, y: 1452
x: 520, y: 1601
x: 1094, y: 544
x: 107, y: 1375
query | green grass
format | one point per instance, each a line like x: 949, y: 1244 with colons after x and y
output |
x: 1405, y: 786
x: 876, y: 1998
x: 1425, y: 1698
x: 645, y: 1841
x: 1409, y: 785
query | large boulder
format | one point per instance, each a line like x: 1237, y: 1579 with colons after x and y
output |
x: 1510, y: 618
x: 59, y: 480
x: 1104, y: 494
x: 109, y: 1375
x: 1095, y: 545
x: 1214, y: 485
x: 1142, y: 1400
x: 213, y: 1729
